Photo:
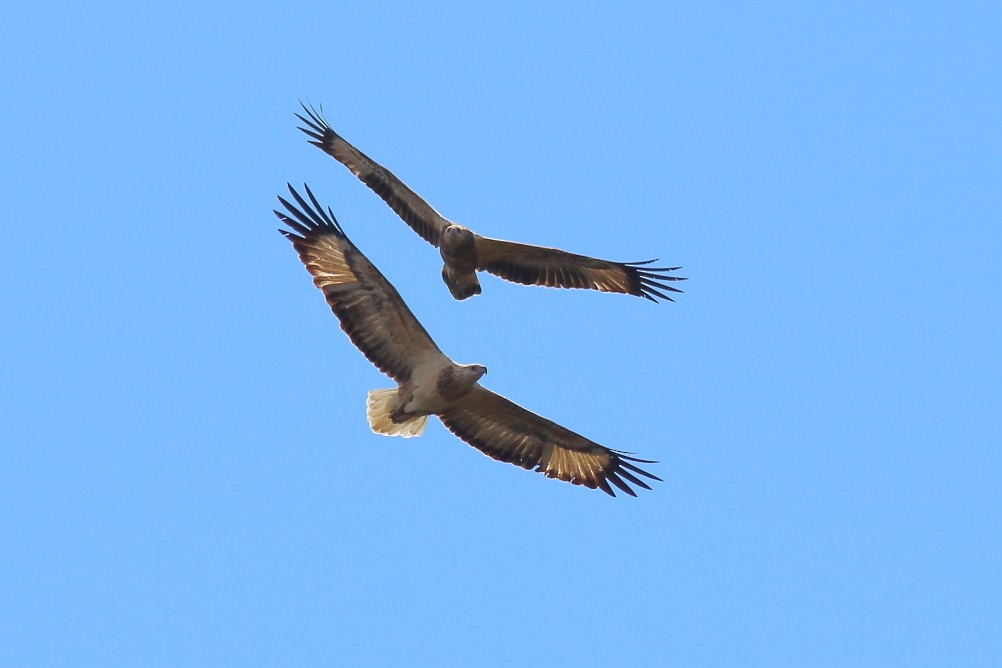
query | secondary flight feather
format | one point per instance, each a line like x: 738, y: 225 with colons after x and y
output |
x: 465, y: 253
x: 379, y: 323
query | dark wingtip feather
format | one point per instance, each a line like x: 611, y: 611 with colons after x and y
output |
x: 622, y: 471
x: 311, y: 219
x: 604, y: 486
x: 632, y: 478
x: 316, y: 125
x: 650, y: 293
x: 300, y: 230
x: 648, y: 281
x: 614, y: 478
x: 631, y: 464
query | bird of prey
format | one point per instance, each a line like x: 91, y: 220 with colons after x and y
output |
x: 379, y: 323
x: 465, y: 252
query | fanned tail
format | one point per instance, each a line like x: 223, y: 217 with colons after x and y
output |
x: 381, y: 408
x: 462, y: 286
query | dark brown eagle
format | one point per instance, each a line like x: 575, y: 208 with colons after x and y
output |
x: 465, y: 252
x: 379, y: 323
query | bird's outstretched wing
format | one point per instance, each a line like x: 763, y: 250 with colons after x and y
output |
x: 553, y: 268
x: 371, y: 311
x: 505, y: 431
x: 407, y: 204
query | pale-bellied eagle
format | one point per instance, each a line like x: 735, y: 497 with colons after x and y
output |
x: 379, y: 323
x: 465, y: 252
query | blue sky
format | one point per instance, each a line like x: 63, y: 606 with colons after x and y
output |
x: 188, y: 477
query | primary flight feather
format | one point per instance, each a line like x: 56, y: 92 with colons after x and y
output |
x: 464, y: 252
x: 379, y: 323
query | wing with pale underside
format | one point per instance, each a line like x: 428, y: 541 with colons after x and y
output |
x: 414, y: 211
x: 505, y: 431
x: 550, y: 267
x: 371, y: 311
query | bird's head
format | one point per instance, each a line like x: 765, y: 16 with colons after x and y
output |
x: 457, y: 235
x: 476, y: 371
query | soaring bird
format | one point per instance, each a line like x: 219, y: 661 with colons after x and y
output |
x: 379, y: 323
x: 465, y: 253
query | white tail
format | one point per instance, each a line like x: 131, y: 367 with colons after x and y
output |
x: 379, y: 405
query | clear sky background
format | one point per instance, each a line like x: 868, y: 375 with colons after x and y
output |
x: 187, y: 475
